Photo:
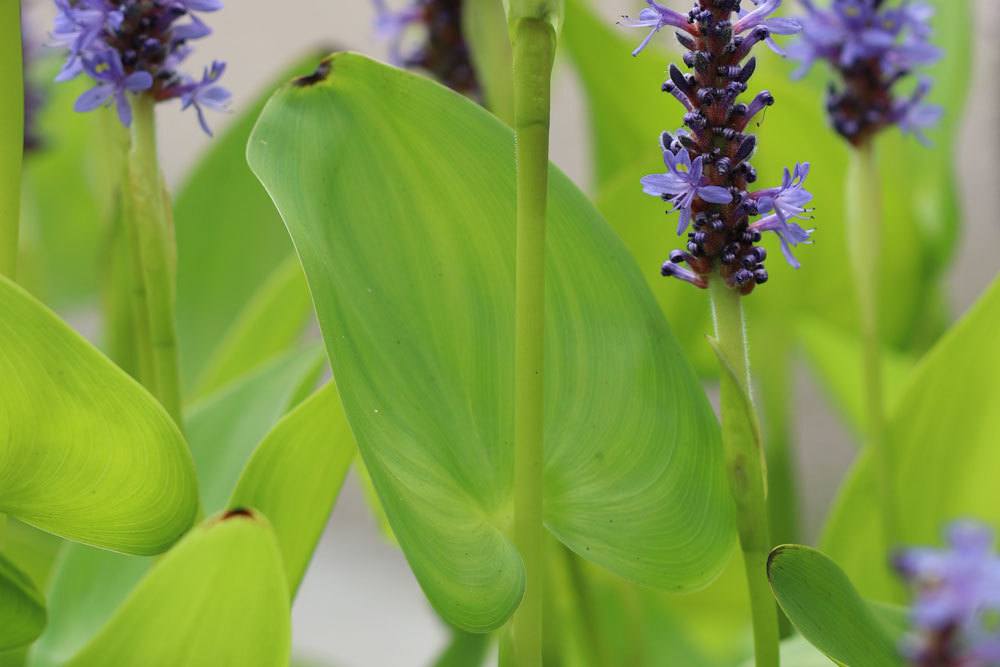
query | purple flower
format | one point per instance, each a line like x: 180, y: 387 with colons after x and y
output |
x: 761, y: 16
x: 657, y: 17
x: 789, y: 234
x: 914, y: 116
x: 136, y: 46
x: 113, y: 84
x: 682, y: 184
x: 788, y: 200
x: 868, y: 41
x: 205, y: 93
x: 956, y: 599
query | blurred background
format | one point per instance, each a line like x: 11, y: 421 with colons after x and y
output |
x: 359, y: 605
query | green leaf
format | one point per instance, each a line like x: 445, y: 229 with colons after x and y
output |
x: 943, y: 442
x: 820, y: 601
x: 295, y: 475
x: 221, y: 431
x: 798, y: 652
x: 88, y: 584
x: 218, y: 598
x: 489, y: 49
x: 86, y: 453
x: 836, y: 358
x: 229, y: 243
x: 414, y: 294
x: 66, y: 198
x: 270, y: 325
x: 464, y: 650
x: 22, y: 609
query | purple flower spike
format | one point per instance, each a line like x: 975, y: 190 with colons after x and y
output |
x: 709, y: 174
x: 113, y: 84
x: 956, y: 599
x: 682, y: 183
x: 872, y: 46
x: 440, y: 49
x: 657, y: 17
x: 136, y: 46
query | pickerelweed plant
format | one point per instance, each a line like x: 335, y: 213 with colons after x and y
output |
x: 132, y: 51
x: 709, y: 184
x: 873, y: 46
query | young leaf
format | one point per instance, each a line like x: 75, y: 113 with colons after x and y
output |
x: 218, y: 598
x: 295, y: 475
x: 943, y: 442
x: 22, y: 609
x: 270, y: 325
x: 821, y: 602
x: 489, y: 49
x: 86, y: 453
x: 89, y: 584
x: 414, y: 295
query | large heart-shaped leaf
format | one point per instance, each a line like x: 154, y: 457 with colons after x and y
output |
x: 218, y: 598
x: 943, y: 442
x: 821, y: 602
x: 399, y: 196
x: 90, y: 584
x: 295, y: 475
x: 85, y: 452
x: 22, y: 609
x: 229, y: 241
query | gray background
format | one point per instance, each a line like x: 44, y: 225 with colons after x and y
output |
x: 359, y: 605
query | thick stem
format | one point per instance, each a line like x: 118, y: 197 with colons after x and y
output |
x: 152, y: 244
x: 864, y: 235
x: 11, y: 133
x: 745, y: 466
x: 533, y: 42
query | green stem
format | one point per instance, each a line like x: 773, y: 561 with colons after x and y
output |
x: 864, y: 238
x: 12, y: 134
x: 533, y: 42
x: 745, y: 465
x: 151, y: 236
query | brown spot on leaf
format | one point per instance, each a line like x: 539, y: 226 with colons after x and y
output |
x: 321, y: 74
x: 237, y: 513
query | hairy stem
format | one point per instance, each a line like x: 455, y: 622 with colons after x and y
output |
x: 151, y: 236
x: 533, y: 42
x: 745, y: 466
x: 11, y: 134
x: 864, y: 238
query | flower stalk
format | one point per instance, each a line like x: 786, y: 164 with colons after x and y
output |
x: 533, y: 42
x: 745, y: 466
x: 864, y: 234
x: 12, y: 136
x: 151, y: 236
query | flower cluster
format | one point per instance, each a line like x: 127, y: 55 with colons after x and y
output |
x: 709, y: 175
x: 956, y: 609
x: 136, y: 47
x: 441, y: 50
x: 873, y: 46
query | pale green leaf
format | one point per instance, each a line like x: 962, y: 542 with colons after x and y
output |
x: 295, y: 475
x: 89, y: 584
x: 85, y: 452
x: 22, y: 609
x: 270, y: 325
x: 820, y: 601
x: 489, y: 49
x: 414, y: 293
x: 218, y: 598
x: 229, y: 241
x: 836, y: 358
x: 942, y: 439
